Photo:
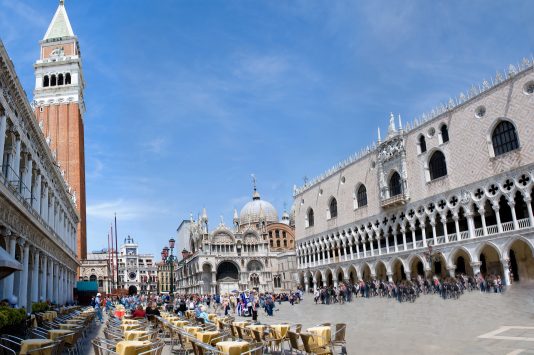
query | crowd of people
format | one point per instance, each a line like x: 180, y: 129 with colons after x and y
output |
x: 246, y: 304
x: 409, y: 290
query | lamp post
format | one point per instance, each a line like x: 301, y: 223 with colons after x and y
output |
x: 169, y: 259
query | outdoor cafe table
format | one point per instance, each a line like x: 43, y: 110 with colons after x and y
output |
x: 131, y: 326
x: 180, y: 323
x: 130, y: 321
x: 212, y: 317
x: 50, y: 315
x: 134, y: 334
x: 321, y: 335
x: 69, y: 326
x: 207, y: 336
x: 280, y: 329
x: 53, y: 334
x: 192, y: 329
x: 31, y: 344
x: 233, y: 347
x: 132, y: 347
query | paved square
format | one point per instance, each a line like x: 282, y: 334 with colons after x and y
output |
x: 475, y: 324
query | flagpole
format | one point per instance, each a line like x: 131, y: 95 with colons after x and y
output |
x: 116, y: 251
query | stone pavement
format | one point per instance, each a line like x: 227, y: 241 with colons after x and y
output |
x: 430, y: 325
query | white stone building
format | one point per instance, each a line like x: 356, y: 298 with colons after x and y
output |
x: 38, y: 217
x: 253, y: 254
x: 459, y: 180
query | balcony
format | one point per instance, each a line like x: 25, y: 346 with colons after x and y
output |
x: 394, y: 201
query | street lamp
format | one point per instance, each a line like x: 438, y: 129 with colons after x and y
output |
x: 169, y: 259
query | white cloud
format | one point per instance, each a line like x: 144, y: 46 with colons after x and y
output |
x: 156, y: 145
x: 125, y: 210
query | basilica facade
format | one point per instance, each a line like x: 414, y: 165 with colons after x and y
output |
x: 450, y: 193
x: 257, y: 252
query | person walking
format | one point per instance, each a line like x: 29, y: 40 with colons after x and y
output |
x: 98, y: 307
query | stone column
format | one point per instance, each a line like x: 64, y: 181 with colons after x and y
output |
x: 395, y: 241
x: 496, y: 208
x: 408, y: 275
x: 44, y: 281
x: 387, y: 243
x: 412, y: 228
x: 470, y: 224
x: 455, y: 217
x: 37, y: 194
x: 357, y: 249
x: 444, y: 223
x: 351, y: 245
x: 364, y: 244
x: 35, y: 277
x: 403, y: 231
x: 16, y: 163
x: 23, y: 289
x: 434, y: 236
x: 528, y: 200
x: 506, y: 268
x: 423, y: 233
x: 44, y: 203
x: 3, y: 127
x: 314, y: 284
x: 50, y: 281
x: 476, y: 267
x: 483, y: 219
x: 452, y: 271
x: 371, y: 244
x: 345, y: 251
x: 514, y: 216
x: 390, y: 276
x: 10, y: 280
x: 27, y: 179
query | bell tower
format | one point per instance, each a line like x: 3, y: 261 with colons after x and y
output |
x: 59, y: 108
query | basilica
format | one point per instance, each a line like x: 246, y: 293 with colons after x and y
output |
x: 255, y: 253
x: 449, y: 193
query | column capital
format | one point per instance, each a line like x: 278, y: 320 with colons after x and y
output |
x: 475, y: 263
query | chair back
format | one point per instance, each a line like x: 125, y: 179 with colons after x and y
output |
x: 256, y: 335
x: 298, y: 327
x: 7, y: 350
x: 306, y: 340
x: 293, y: 340
x: 340, y: 332
x: 239, y: 332
x: 233, y: 331
x: 48, y: 349
x: 157, y: 350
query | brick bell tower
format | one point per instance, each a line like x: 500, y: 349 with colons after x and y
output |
x: 59, y: 108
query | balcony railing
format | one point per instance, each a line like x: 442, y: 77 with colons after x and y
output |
x: 396, y: 200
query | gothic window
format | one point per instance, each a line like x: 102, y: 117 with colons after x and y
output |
x: 53, y: 80
x: 310, y: 218
x: 422, y: 144
x: 395, y: 186
x: 361, y: 196
x: 60, y: 79
x: 278, y: 244
x: 67, y: 79
x: 437, y: 165
x: 333, y: 208
x: 46, y: 81
x: 504, y: 138
x: 444, y: 133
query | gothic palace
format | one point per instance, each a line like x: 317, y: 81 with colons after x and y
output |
x: 451, y: 193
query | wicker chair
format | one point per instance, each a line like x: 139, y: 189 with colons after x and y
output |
x: 338, y: 340
x: 309, y: 347
x: 294, y: 342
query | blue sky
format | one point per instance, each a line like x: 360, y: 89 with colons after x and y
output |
x: 185, y: 99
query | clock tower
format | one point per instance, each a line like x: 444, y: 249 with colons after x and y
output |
x: 59, y: 108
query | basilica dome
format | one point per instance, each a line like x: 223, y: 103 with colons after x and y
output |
x: 253, y: 210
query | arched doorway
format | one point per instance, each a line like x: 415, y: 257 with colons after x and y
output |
x: 462, y: 260
x: 132, y: 290
x: 417, y: 267
x: 439, y: 266
x: 227, y: 277
x: 521, y: 261
x: 381, y: 272
x: 319, y: 279
x: 490, y: 261
x: 352, y: 275
x: 398, y: 271
x: 92, y: 278
x: 329, y: 278
x: 366, y: 272
x: 339, y: 277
